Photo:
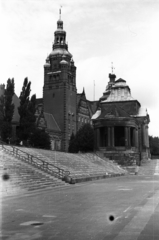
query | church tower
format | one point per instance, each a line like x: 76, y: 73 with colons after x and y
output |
x: 59, y: 91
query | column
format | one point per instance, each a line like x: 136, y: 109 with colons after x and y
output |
x: 126, y: 137
x: 105, y: 137
x: 98, y: 138
x: 134, y: 135
x: 136, y: 138
x: 147, y: 131
x: 129, y: 136
x: 112, y: 133
x: 144, y: 135
x: 108, y: 136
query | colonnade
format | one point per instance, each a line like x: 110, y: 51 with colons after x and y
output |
x: 106, y: 136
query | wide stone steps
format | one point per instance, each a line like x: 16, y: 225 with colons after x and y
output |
x: 79, y: 165
x: 23, y: 177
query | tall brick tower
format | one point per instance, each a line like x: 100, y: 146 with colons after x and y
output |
x: 59, y: 91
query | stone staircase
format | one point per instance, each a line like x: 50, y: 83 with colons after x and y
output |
x: 82, y: 167
x: 18, y: 177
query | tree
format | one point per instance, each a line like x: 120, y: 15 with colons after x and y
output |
x: 154, y: 145
x: 40, y: 139
x: 83, y: 140
x: 26, y: 111
x: 7, y: 111
x: 73, y: 147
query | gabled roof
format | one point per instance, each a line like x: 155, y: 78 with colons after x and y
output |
x: 81, y: 96
x: 51, y: 122
x: 93, y: 105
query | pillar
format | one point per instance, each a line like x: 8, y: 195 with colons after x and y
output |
x: 108, y: 136
x: 134, y: 135
x: 129, y: 137
x: 144, y: 135
x: 112, y: 133
x: 126, y: 137
x: 98, y: 137
x: 147, y: 136
x: 136, y: 138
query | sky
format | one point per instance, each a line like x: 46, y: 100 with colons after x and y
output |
x: 99, y: 32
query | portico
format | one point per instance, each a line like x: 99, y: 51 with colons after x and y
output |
x: 118, y: 136
x: 114, y: 135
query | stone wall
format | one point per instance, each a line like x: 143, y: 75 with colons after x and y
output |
x: 124, y: 159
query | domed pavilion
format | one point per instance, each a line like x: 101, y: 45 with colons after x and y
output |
x: 121, y: 124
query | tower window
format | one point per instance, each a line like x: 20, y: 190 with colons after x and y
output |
x: 57, y: 40
x: 61, y: 40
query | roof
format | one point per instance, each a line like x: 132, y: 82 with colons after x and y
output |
x: 93, y: 105
x: 119, y: 92
x: 51, y: 122
x: 81, y: 96
x: 97, y: 114
x: 112, y: 111
x: 142, y: 112
x: 47, y: 64
x: 60, y: 51
x: 39, y: 101
x: 120, y: 80
x: 63, y: 62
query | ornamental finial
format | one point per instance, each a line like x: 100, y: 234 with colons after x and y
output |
x: 60, y: 12
x: 112, y: 67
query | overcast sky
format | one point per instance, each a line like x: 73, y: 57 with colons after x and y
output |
x: 99, y: 32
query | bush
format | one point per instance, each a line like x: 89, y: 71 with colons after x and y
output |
x: 83, y: 141
x: 40, y: 139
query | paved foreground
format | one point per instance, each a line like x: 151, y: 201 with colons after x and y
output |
x: 123, y: 208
